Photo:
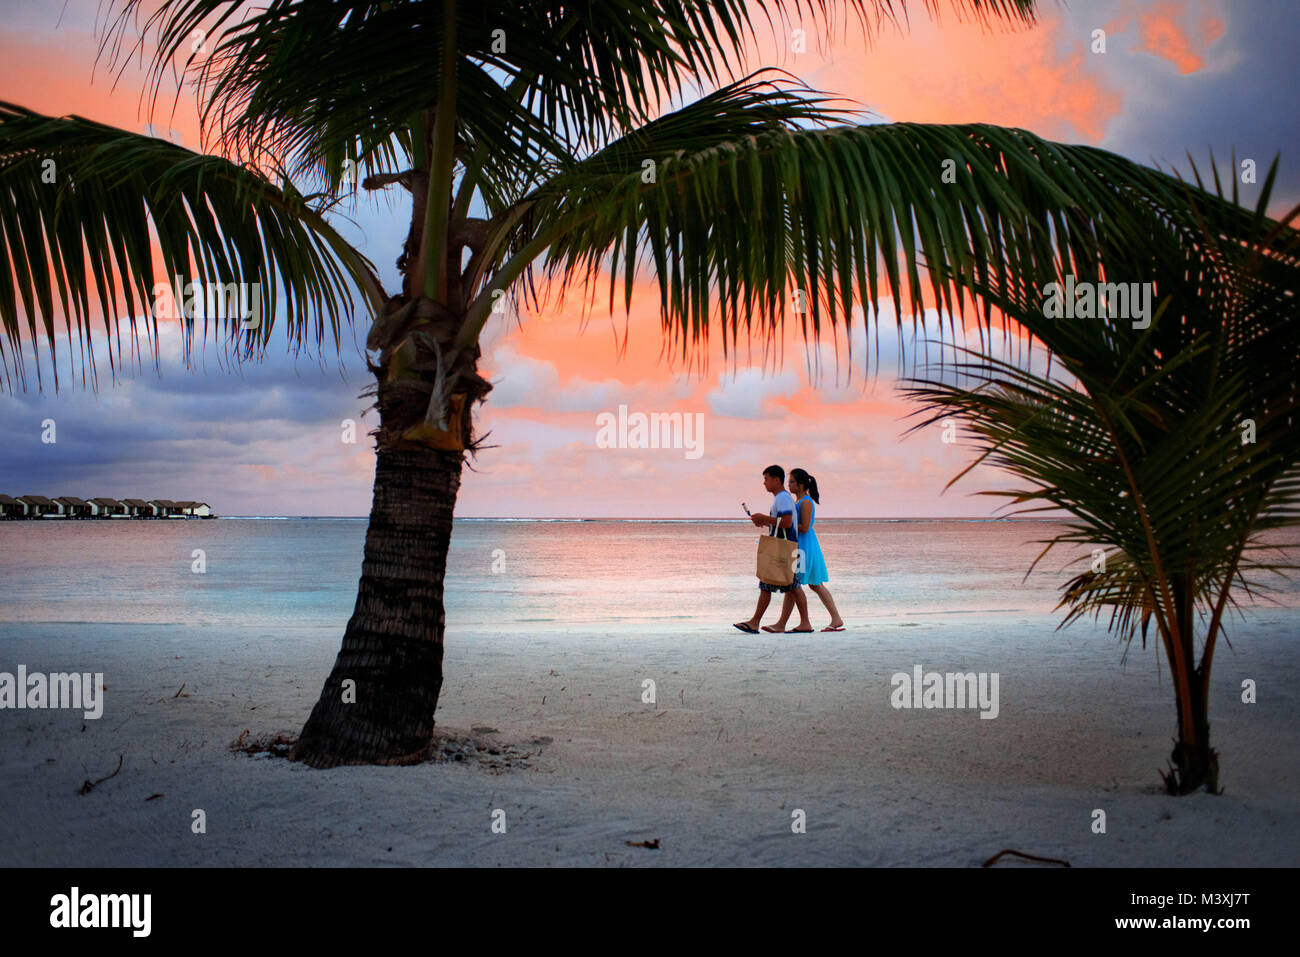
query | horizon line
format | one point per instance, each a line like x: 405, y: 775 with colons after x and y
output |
x: 686, y: 518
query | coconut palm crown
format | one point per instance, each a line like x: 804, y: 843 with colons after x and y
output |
x: 1166, y: 431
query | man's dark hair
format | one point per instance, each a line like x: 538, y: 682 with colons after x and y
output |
x: 776, y: 472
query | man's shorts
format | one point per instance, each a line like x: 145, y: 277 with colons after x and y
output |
x: 798, y: 581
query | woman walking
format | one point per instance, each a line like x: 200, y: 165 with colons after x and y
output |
x: 804, y: 489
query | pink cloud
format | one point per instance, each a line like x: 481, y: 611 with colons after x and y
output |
x: 1164, y: 31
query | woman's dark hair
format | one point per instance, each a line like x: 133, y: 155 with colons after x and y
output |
x: 808, y: 482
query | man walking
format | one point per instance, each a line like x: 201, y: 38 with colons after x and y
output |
x: 780, y: 519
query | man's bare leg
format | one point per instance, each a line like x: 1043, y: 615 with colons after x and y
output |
x: 794, y: 598
x: 764, y: 599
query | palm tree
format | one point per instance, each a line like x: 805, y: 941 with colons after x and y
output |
x: 1173, y: 447
x: 531, y: 136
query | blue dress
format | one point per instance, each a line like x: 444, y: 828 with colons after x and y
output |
x: 814, y: 564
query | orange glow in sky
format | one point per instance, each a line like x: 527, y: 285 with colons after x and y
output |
x: 554, y: 377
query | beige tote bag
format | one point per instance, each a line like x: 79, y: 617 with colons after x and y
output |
x: 776, y: 559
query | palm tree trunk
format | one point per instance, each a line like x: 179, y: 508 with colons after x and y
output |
x: 1193, y: 763
x: 392, y: 649
x: 377, y: 706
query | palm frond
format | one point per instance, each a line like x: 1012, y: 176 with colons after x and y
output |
x: 733, y: 230
x: 590, y: 72
x: 1138, y: 436
x: 83, y: 207
x: 769, y: 100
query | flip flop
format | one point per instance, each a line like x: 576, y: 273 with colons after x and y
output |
x: 828, y: 628
x: 798, y: 631
x: 745, y: 628
x: 773, y: 631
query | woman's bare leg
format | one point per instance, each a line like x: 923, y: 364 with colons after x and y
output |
x: 801, y: 603
x: 824, y: 594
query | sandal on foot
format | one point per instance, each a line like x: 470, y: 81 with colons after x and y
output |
x: 744, y: 626
x: 829, y: 628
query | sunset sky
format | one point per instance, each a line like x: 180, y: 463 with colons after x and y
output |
x: 1178, y: 76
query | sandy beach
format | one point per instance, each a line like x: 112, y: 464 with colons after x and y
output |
x: 744, y: 731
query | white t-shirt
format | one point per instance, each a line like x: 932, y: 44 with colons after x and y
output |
x: 783, y: 504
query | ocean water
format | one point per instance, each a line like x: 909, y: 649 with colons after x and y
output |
x: 619, y: 577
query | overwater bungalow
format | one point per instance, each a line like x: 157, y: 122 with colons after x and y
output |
x: 38, y: 506
x: 107, y: 508
x: 69, y: 506
x: 137, y: 508
x: 74, y: 507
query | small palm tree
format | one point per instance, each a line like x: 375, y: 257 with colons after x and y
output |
x: 1173, y: 447
x: 529, y: 136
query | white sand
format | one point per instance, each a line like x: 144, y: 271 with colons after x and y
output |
x: 745, y: 730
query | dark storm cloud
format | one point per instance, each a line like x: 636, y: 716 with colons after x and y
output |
x: 1242, y: 96
x: 164, y: 430
x: 180, y: 422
